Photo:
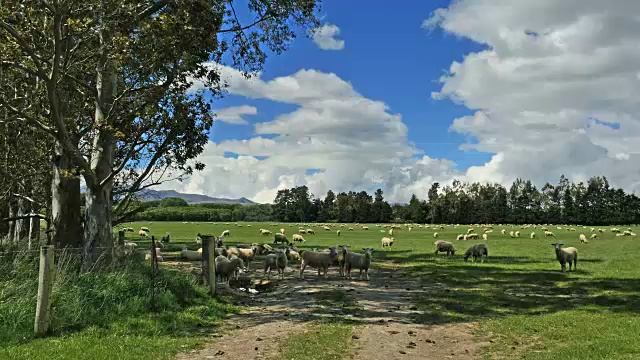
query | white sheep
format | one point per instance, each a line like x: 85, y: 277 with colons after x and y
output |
x: 280, y: 238
x: 477, y: 251
x: 517, y: 234
x: 390, y: 232
x: 460, y: 237
x: 225, y: 267
x: 548, y: 233
x: 350, y: 229
x: 485, y: 237
x: 311, y: 231
x: 282, y: 230
x: 142, y: 233
x: 265, y: 232
x: 318, y: 260
x: 593, y: 236
x: 473, y: 236
x: 533, y: 235
x: 191, y: 255
x: 512, y: 234
x: 158, y: 255
x: 361, y: 262
x: 247, y: 255
x: 435, y: 235
x: 145, y: 229
x: 365, y: 228
x: 338, y: 232
x: 297, y: 237
x: 583, y: 239
x: 226, y: 233
x: 277, y: 261
x: 444, y: 246
x: 292, y: 255
x: 566, y: 255
x: 387, y: 241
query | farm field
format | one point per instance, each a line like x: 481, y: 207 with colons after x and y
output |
x: 518, y: 304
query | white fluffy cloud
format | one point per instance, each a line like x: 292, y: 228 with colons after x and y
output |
x: 326, y: 37
x: 553, y: 75
x: 235, y: 114
x: 335, y: 139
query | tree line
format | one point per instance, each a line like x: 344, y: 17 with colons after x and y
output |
x: 593, y: 203
x: 111, y: 94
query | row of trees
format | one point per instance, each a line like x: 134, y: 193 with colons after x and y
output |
x: 176, y: 209
x: 100, y: 91
x: 595, y: 203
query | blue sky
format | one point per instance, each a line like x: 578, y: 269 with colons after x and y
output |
x: 387, y: 57
x: 361, y: 116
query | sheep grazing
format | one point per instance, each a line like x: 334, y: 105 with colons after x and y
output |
x: 459, y: 237
x: 326, y: 228
x: 280, y: 238
x: 297, y: 237
x: 619, y: 234
x: 145, y: 229
x: 469, y: 231
x: 338, y: 232
x: 247, y: 255
x: 350, y: 229
x: 282, y: 230
x: 387, y: 241
x: 593, y: 229
x: 465, y: 237
x: 226, y: 267
x: 302, y: 231
x: 517, y: 234
x: 512, y: 234
x: 444, y: 246
x: 142, y: 233
x: 390, y: 232
x: 473, y: 236
x: 147, y: 255
x: 358, y: 261
x: 311, y: 231
x: 225, y: 233
x: 548, y: 233
x: 278, y: 261
x: 365, y: 228
x: 533, y: 235
x: 628, y: 233
x: 566, y: 255
x: 593, y: 236
x: 410, y: 229
x: 583, y: 239
x: 477, y: 251
x: 503, y: 231
x: 435, y: 235
x: 485, y: 237
x: 318, y: 260
x: 130, y: 247
x: 265, y: 232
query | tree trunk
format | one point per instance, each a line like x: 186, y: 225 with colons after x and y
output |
x: 65, y: 203
x: 98, y: 239
x: 12, y: 224
x: 22, y: 225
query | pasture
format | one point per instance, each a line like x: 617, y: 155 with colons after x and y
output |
x: 518, y: 304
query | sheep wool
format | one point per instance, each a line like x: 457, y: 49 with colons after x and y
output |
x: 358, y: 261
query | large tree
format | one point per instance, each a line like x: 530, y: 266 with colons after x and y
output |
x: 125, y: 68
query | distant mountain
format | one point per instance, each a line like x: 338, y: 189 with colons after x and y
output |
x: 150, y: 195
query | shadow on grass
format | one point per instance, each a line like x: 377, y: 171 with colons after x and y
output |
x: 415, y: 288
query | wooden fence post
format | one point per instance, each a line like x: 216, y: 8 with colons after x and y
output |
x: 208, y: 262
x: 45, y: 285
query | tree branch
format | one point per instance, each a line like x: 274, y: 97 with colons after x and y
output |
x: 152, y: 9
x: 31, y: 120
x: 20, y: 67
x: 238, y: 27
x: 25, y: 47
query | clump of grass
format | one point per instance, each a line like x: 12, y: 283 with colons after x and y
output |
x: 321, y: 341
x: 104, y: 308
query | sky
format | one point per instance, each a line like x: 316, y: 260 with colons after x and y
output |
x: 399, y: 97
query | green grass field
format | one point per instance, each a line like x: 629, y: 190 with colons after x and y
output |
x: 523, y: 302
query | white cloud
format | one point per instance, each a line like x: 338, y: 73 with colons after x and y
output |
x: 325, y: 37
x: 235, y: 114
x: 550, y: 68
x: 353, y: 142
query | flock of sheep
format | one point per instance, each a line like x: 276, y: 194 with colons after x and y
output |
x: 230, y: 260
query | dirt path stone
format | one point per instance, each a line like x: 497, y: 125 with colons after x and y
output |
x: 382, y: 306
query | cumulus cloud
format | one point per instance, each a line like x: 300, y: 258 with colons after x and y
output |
x: 325, y: 37
x: 554, y: 77
x: 349, y: 141
x: 235, y: 114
